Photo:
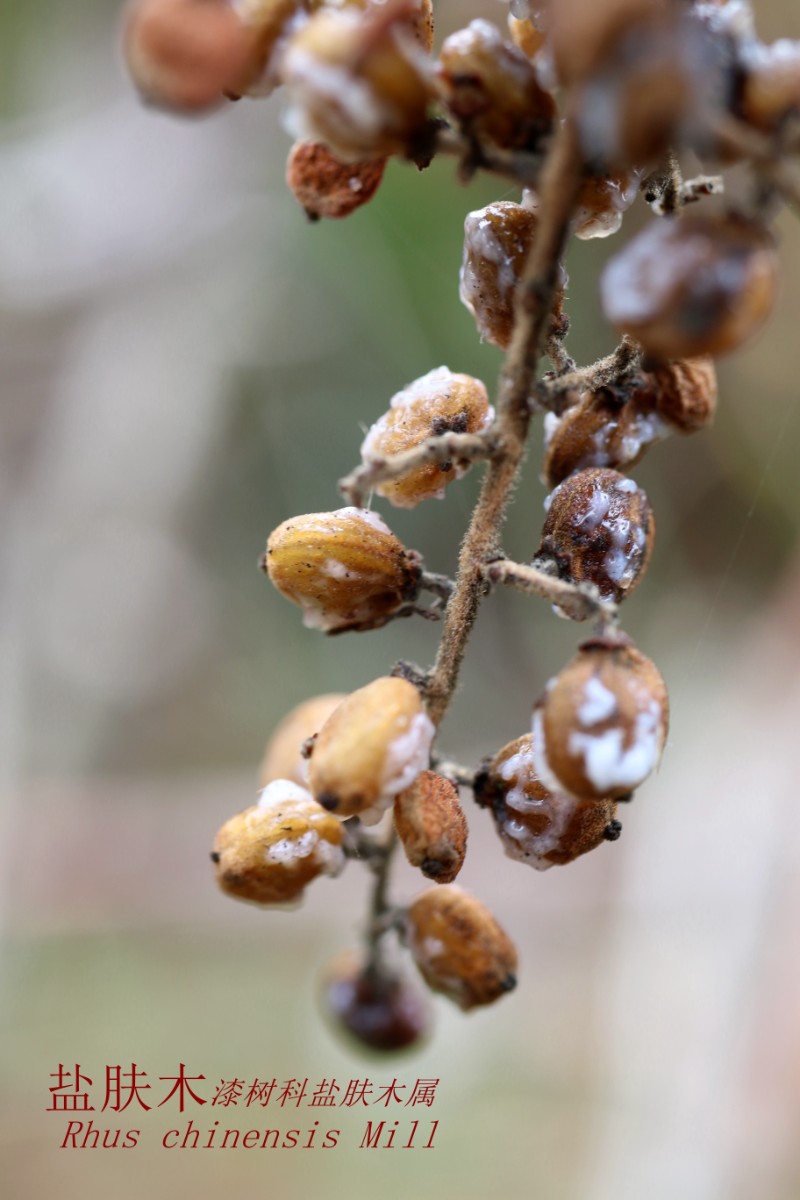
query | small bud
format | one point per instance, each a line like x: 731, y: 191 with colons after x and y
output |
x: 538, y: 826
x: 326, y: 187
x: 460, y: 949
x: 497, y: 240
x: 372, y: 747
x: 599, y: 529
x: 601, y: 725
x: 440, y: 402
x: 492, y: 90
x: 378, y: 1009
x: 283, y: 756
x: 185, y: 55
x: 358, y: 82
x: 693, y: 285
x: 432, y: 827
x: 345, y: 569
x: 270, y: 852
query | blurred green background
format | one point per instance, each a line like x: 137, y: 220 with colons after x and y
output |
x: 186, y: 363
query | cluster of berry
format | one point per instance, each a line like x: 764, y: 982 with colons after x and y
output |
x: 585, y: 104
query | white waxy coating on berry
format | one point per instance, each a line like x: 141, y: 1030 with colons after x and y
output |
x: 482, y: 241
x: 286, y: 850
x: 352, y: 109
x: 599, y: 703
x: 540, y: 763
x: 363, y: 514
x: 282, y: 791
x: 608, y: 765
x: 407, y: 755
x: 519, y: 841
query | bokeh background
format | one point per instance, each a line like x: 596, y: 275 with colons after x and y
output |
x: 185, y: 363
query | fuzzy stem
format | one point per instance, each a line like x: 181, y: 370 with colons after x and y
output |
x: 559, y: 186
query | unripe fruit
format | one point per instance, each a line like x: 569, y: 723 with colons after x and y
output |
x: 378, y: 1009
x: 270, y: 852
x: 601, y: 725
x: 692, y: 285
x: 283, y: 756
x: 357, y: 82
x: 491, y: 88
x: 599, y: 529
x: 497, y: 240
x: 185, y: 55
x: 536, y: 825
x: 440, y: 402
x: 326, y: 187
x: 345, y: 569
x: 432, y: 827
x: 372, y: 747
x: 459, y: 948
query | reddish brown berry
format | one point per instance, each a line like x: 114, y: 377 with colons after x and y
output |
x: 283, y: 756
x: 601, y: 725
x: 326, y: 187
x: 536, y: 825
x: 599, y: 529
x: 692, y: 285
x: 378, y: 1009
x: 771, y: 84
x: 440, y: 402
x: 491, y: 88
x: 270, y: 852
x: 185, y: 54
x: 431, y: 825
x: 345, y: 569
x: 372, y: 747
x: 460, y: 949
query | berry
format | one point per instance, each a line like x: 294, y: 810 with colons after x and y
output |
x: 440, y: 402
x: 459, y: 948
x: 345, y: 569
x: 600, y: 727
x: 432, y: 827
x: 372, y: 747
x: 692, y: 285
x: 270, y: 852
x: 326, y: 187
x: 283, y: 756
x: 378, y: 1009
x: 536, y: 825
x: 599, y: 529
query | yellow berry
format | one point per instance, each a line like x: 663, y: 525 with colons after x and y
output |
x: 283, y: 757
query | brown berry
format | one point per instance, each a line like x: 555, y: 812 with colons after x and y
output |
x: 431, y: 825
x: 283, y: 756
x: 536, y: 825
x: 497, y: 240
x: 356, y: 82
x: 270, y: 852
x: 491, y: 88
x: 693, y: 285
x: 440, y: 402
x: 601, y: 725
x: 459, y: 948
x: 372, y: 747
x: 377, y: 1008
x: 345, y: 569
x: 685, y: 392
x: 185, y: 55
x: 599, y: 529
x: 525, y: 36
x: 771, y: 84
x: 268, y: 25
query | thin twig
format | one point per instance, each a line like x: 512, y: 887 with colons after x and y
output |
x: 466, y: 447
x: 578, y: 601
x: 552, y: 392
x: 559, y: 187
